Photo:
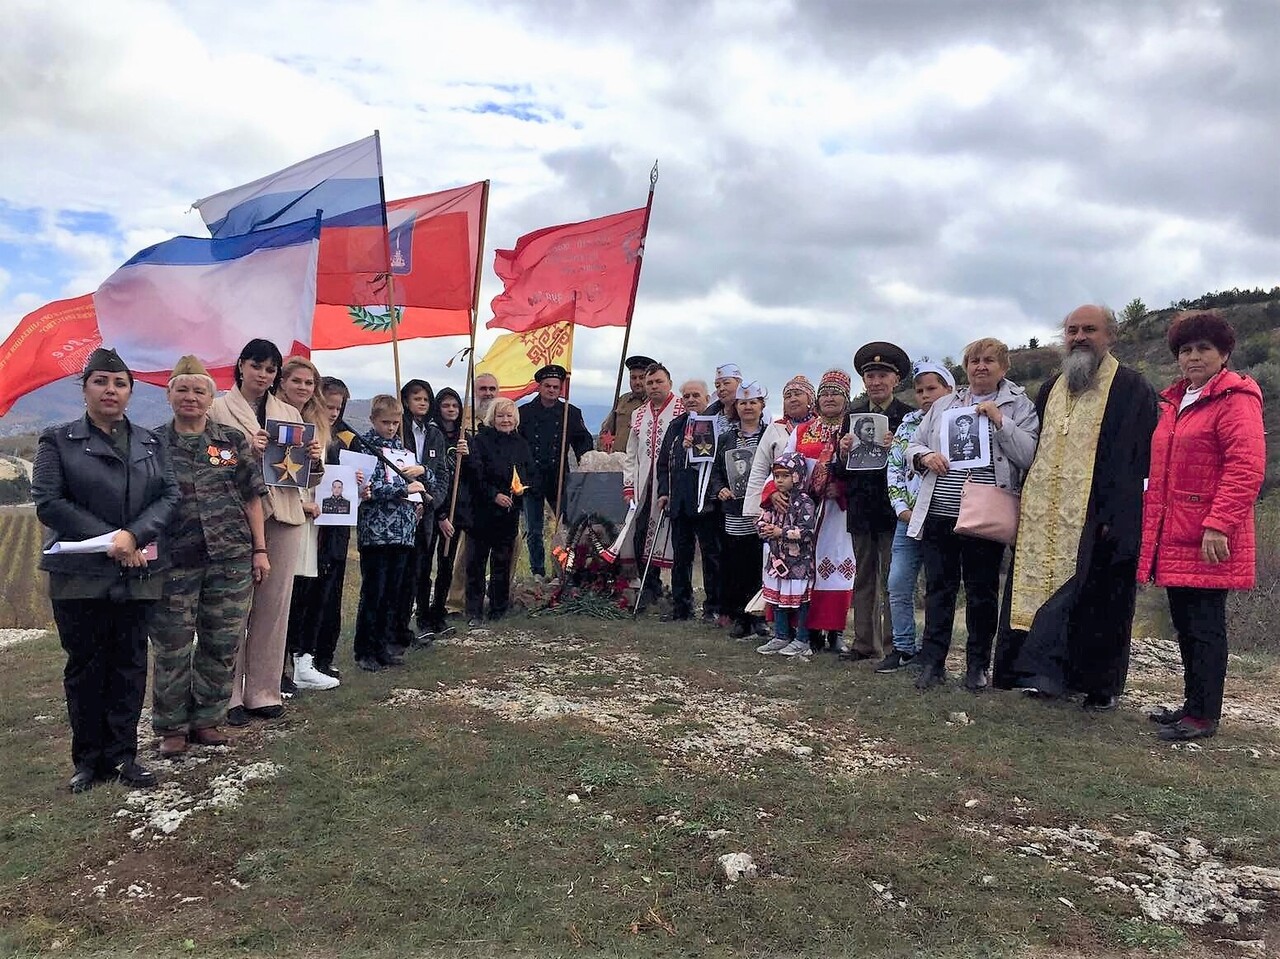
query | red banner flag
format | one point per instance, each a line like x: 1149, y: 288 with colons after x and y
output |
x: 434, y: 241
x: 50, y: 343
x: 597, y: 259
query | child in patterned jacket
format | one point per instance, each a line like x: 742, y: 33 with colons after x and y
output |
x: 788, y: 570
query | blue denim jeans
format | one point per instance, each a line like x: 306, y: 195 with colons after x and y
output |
x: 791, y: 623
x: 534, y: 524
x: 904, y: 571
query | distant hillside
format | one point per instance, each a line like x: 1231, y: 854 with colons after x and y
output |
x: 1143, y: 344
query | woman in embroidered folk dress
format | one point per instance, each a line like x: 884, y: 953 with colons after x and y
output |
x: 817, y: 440
x: 950, y: 557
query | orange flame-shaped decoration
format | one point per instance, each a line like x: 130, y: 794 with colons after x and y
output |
x: 517, y: 487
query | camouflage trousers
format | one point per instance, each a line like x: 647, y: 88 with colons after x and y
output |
x: 196, y: 629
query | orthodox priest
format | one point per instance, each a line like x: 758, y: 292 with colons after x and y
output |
x: 640, y: 535
x: 1069, y: 600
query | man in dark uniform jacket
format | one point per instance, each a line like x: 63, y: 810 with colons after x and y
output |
x: 872, y: 522
x: 542, y: 424
x: 336, y: 502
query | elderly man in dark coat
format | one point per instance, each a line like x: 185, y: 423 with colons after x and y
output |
x: 1068, y: 608
x: 871, y: 519
x: 543, y: 422
x: 695, y: 514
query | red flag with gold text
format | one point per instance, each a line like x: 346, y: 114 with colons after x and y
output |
x: 48, y: 344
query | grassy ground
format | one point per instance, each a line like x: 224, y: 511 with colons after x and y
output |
x: 429, y: 811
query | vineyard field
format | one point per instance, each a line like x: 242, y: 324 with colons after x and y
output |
x: 24, y: 601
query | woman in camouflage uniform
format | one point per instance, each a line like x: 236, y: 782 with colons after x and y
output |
x: 218, y: 549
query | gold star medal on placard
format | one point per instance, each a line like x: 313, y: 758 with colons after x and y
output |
x: 288, y: 467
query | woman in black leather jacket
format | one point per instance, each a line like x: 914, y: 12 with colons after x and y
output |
x: 102, y: 476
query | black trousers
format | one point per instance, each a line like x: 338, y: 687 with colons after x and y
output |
x: 949, y: 559
x: 105, y: 677
x: 1200, y: 617
x: 706, y: 529
x: 417, y: 581
x: 382, y: 581
x: 445, y: 555
x: 491, y: 551
x: 741, y: 563
x: 326, y: 594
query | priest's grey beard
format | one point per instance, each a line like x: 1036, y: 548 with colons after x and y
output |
x: 1080, y: 366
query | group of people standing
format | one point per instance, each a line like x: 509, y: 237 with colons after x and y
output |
x: 1107, y: 484
x: 1092, y: 487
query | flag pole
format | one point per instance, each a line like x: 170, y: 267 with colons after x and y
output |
x: 564, y: 422
x: 631, y: 304
x: 391, y: 284
x: 470, y: 388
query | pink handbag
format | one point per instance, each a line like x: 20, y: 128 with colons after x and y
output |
x: 988, y: 512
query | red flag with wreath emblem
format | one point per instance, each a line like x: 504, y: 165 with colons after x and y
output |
x: 434, y: 242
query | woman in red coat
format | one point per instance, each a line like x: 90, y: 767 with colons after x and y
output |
x: 1208, y: 457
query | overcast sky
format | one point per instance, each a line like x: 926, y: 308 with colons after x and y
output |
x: 831, y: 171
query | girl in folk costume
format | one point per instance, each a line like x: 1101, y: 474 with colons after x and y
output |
x: 817, y: 440
x: 788, y: 569
x: 639, y: 536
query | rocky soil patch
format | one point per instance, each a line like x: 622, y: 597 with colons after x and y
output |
x: 620, y: 694
x: 12, y: 637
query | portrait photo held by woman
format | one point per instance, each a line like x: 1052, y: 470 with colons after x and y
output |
x: 101, y: 476
x: 1208, y: 458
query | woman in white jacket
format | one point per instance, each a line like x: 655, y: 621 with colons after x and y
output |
x: 951, y: 557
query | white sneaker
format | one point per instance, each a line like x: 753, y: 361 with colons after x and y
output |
x: 306, y: 676
x: 796, y: 647
x: 774, y: 645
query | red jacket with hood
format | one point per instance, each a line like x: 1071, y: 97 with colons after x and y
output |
x: 1207, y: 465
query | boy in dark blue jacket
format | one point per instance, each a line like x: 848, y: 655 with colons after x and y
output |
x: 385, y: 530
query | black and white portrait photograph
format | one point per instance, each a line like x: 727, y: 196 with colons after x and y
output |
x: 869, y: 450
x: 966, y: 437
x: 339, y: 496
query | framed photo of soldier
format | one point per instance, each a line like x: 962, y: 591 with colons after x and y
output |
x: 339, y: 497
x: 966, y: 438
x: 737, y: 467
x: 287, y: 460
x: 869, y: 432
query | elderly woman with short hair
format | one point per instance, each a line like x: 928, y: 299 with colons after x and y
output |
x: 218, y: 548
x: 1208, y: 457
x: 950, y: 557
x: 497, y: 472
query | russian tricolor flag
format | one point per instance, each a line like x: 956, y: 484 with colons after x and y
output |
x: 211, y: 296
x: 345, y: 185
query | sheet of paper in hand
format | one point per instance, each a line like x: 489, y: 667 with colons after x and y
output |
x: 287, y: 459
x: 868, y: 451
x: 737, y: 466
x: 966, y: 438
x: 403, y: 458
x: 702, y: 435
x: 339, y: 496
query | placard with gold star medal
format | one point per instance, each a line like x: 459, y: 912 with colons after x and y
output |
x: 287, y: 458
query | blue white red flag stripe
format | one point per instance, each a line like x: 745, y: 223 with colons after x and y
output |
x: 344, y: 184
x: 211, y: 296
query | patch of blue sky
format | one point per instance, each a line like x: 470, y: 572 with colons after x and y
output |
x: 524, y: 110
x: 88, y: 221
